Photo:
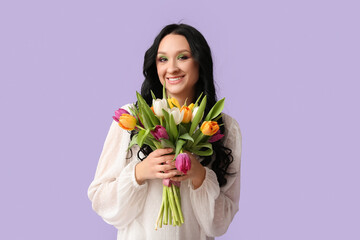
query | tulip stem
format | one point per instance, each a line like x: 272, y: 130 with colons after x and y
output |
x: 173, y: 206
x: 140, y: 127
x: 170, y: 217
x: 159, y: 216
x: 177, y: 203
x: 165, y: 200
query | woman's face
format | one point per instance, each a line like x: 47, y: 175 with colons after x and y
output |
x: 177, y: 67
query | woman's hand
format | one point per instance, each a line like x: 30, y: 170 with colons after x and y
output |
x: 156, y: 165
x: 196, y: 173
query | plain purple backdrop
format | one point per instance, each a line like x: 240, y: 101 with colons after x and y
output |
x: 289, y: 71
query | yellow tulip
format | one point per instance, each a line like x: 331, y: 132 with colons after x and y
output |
x: 173, y: 102
x: 209, y: 128
x: 191, y: 106
x: 127, y: 122
x: 187, y: 114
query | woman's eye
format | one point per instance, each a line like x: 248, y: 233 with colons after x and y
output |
x: 162, y: 59
x: 183, y: 57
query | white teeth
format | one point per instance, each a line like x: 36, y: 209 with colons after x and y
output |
x: 174, y: 79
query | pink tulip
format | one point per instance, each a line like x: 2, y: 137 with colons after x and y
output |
x: 167, y: 182
x: 176, y: 183
x: 183, y: 162
x: 160, y: 132
x: 118, y: 113
x: 216, y: 137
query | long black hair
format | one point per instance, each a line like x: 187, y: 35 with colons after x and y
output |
x: 201, y: 53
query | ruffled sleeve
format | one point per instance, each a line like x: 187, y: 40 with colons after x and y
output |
x: 115, y: 194
x: 215, y: 207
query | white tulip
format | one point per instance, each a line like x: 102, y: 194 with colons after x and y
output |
x: 194, y: 113
x: 159, y: 105
x: 178, y: 116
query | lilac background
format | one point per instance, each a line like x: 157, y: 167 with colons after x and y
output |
x: 290, y: 74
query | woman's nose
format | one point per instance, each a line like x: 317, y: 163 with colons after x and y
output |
x: 172, y: 67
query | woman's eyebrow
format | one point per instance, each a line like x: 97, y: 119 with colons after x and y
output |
x: 184, y: 50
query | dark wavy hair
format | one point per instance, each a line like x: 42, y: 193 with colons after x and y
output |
x: 201, y: 52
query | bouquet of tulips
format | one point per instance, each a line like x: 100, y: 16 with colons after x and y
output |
x: 166, y: 124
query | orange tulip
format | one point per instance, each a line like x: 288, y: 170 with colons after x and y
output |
x: 209, y: 128
x: 152, y: 108
x: 173, y: 102
x: 127, y: 122
x: 187, y: 114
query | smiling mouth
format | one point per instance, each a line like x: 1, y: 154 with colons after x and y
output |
x: 174, y: 79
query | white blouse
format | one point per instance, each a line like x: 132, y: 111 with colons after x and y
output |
x: 133, y: 209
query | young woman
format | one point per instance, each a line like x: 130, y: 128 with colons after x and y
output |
x: 127, y: 189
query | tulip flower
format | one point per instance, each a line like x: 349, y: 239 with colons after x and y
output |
x: 183, y: 162
x: 127, y: 122
x: 191, y: 106
x: 159, y: 105
x: 178, y: 116
x: 167, y: 182
x: 216, y: 137
x: 209, y: 128
x: 160, y: 133
x: 173, y: 102
x: 187, y: 114
x: 194, y: 113
x: 118, y: 113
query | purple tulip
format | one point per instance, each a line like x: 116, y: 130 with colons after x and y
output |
x: 118, y: 113
x: 216, y: 137
x: 183, y: 162
x: 160, y: 132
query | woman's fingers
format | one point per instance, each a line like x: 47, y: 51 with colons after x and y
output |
x: 165, y: 159
x: 160, y: 152
x: 165, y: 175
x: 179, y: 178
x: 164, y: 168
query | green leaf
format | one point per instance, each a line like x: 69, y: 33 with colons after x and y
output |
x: 152, y: 94
x: 196, y: 103
x: 215, y: 110
x: 164, y: 90
x: 186, y: 136
x: 141, y: 136
x: 173, y: 127
x: 133, y: 110
x: 199, y: 149
x: 157, y: 144
x: 165, y: 143
x: 218, y: 117
x: 198, y: 116
x: 167, y: 124
x: 147, y: 112
x: 150, y: 143
x: 133, y: 141
x: 179, y: 145
x: 198, y: 137
x: 182, y: 129
x: 144, y: 120
x: 207, y: 152
x: 153, y: 148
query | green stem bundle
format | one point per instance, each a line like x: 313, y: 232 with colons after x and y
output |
x: 170, y: 210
